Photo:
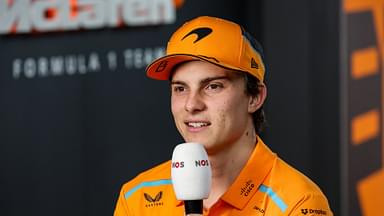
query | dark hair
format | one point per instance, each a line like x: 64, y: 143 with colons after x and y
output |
x: 252, y: 85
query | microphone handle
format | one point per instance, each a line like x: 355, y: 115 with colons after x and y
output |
x: 193, y: 207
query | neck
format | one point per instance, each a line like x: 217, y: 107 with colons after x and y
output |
x: 227, y: 164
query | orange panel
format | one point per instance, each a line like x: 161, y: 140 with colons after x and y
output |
x: 365, y: 62
x: 360, y: 5
x: 365, y: 126
x: 370, y: 191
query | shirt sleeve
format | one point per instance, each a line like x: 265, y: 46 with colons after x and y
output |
x: 311, y: 205
x: 121, y: 208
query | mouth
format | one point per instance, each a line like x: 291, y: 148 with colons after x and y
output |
x: 197, y: 124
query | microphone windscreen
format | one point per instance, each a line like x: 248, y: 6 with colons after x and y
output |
x: 191, y: 172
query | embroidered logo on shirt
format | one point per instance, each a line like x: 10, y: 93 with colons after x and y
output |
x: 313, y: 211
x: 152, y: 202
x: 248, y: 187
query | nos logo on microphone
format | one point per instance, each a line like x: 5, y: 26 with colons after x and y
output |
x: 178, y: 164
x: 198, y: 163
x: 201, y: 163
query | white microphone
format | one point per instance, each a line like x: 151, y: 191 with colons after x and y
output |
x: 191, y: 176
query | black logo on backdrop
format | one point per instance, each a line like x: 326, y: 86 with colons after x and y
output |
x: 201, y: 33
x: 254, y: 64
x: 152, y: 202
x: 313, y: 211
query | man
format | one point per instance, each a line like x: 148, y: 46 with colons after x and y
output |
x: 216, y: 73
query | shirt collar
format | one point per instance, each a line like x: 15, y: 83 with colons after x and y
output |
x: 251, y: 176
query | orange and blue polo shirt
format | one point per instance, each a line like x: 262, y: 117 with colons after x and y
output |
x: 265, y: 186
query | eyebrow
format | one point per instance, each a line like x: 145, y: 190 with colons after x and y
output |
x: 204, y: 81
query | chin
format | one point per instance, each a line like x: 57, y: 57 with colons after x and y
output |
x: 197, y: 140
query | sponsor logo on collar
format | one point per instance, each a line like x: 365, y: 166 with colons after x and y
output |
x: 247, y: 188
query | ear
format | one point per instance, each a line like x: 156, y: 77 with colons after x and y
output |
x: 255, y: 102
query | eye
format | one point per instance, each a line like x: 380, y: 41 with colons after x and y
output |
x: 214, y: 86
x: 178, y: 88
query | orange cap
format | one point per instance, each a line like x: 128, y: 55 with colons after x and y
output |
x: 211, y: 39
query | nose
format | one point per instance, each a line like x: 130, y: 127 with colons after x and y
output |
x: 194, y: 103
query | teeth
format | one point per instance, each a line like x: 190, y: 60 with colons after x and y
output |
x: 197, y: 124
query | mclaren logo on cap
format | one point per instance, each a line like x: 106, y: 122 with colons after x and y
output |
x: 201, y: 33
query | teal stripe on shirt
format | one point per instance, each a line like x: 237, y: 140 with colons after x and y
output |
x: 275, y: 198
x: 147, y: 184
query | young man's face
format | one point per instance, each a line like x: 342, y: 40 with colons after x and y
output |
x: 210, y: 106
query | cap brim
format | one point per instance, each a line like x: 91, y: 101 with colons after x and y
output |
x: 161, y: 68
